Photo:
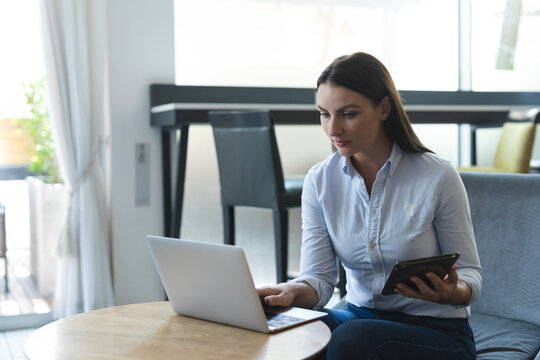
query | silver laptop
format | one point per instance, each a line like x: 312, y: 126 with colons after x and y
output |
x: 213, y: 282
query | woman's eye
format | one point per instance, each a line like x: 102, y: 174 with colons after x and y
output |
x: 324, y: 115
x: 349, y: 114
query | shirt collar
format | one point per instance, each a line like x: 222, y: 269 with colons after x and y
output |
x: 394, y: 158
x: 391, y: 163
x: 346, y: 163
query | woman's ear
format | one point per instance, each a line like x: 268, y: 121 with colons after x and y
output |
x: 386, y: 107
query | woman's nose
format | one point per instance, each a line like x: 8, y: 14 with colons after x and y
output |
x: 334, y: 128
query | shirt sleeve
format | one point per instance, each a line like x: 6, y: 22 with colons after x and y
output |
x: 455, y: 231
x: 318, y: 264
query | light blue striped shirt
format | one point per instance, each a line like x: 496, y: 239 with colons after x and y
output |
x: 418, y: 208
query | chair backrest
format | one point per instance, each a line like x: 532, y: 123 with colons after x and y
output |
x: 515, y: 147
x: 505, y: 211
x: 248, y: 159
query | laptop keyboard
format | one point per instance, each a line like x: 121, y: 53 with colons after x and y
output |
x: 276, y: 321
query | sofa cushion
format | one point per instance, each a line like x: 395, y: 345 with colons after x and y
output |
x: 501, y: 338
x: 504, y: 213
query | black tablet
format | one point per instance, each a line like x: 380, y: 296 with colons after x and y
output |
x: 403, y: 270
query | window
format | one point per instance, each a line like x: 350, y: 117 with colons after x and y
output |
x: 505, y: 51
x: 426, y: 43
x: 288, y: 43
x: 21, y: 62
x: 22, y: 56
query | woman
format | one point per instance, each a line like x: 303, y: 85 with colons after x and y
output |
x: 380, y: 198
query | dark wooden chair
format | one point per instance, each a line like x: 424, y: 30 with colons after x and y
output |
x: 251, y: 175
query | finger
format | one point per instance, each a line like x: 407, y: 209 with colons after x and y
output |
x: 277, y: 300
x: 266, y: 291
x: 452, y: 276
x: 425, y: 290
x: 438, y: 283
x: 271, y: 300
x: 408, y: 291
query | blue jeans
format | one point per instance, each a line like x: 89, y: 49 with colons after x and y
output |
x: 362, y: 333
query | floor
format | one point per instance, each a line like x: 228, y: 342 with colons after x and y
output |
x: 23, y: 296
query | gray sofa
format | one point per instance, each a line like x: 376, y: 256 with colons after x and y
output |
x: 505, y: 211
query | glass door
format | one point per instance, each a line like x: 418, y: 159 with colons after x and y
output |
x: 26, y: 264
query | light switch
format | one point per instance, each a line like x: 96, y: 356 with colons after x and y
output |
x: 142, y: 175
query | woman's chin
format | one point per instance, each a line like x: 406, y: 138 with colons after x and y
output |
x: 344, y: 151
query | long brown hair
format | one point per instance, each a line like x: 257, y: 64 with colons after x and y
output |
x: 364, y: 74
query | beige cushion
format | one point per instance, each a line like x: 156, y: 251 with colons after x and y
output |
x: 514, y: 150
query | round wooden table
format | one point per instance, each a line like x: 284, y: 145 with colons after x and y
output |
x: 154, y: 331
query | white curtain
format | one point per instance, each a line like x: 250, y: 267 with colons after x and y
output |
x: 75, y: 53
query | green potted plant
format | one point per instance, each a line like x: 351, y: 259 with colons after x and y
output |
x: 47, y: 195
x: 37, y: 127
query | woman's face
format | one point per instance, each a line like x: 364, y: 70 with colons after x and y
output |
x: 351, y: 120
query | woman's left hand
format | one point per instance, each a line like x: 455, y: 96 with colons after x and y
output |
x: 449, y: 290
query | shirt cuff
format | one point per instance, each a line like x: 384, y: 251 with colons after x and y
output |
x: 471, y: 278
x: 324, y: 291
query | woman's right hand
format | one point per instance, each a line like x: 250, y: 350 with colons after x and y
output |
x: 288, y: 294
x: 277, y: 295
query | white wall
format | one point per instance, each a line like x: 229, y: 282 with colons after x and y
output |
x: 141, y: 50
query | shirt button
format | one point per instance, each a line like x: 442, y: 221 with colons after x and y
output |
x: 378, y: 270
x: 372, y: 245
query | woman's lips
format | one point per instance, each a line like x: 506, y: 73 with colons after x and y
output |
x: 340, y: 143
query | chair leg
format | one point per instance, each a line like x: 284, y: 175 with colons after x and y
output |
x: 281, y: 233
x: 342, y: 281
x: 228, y: 224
